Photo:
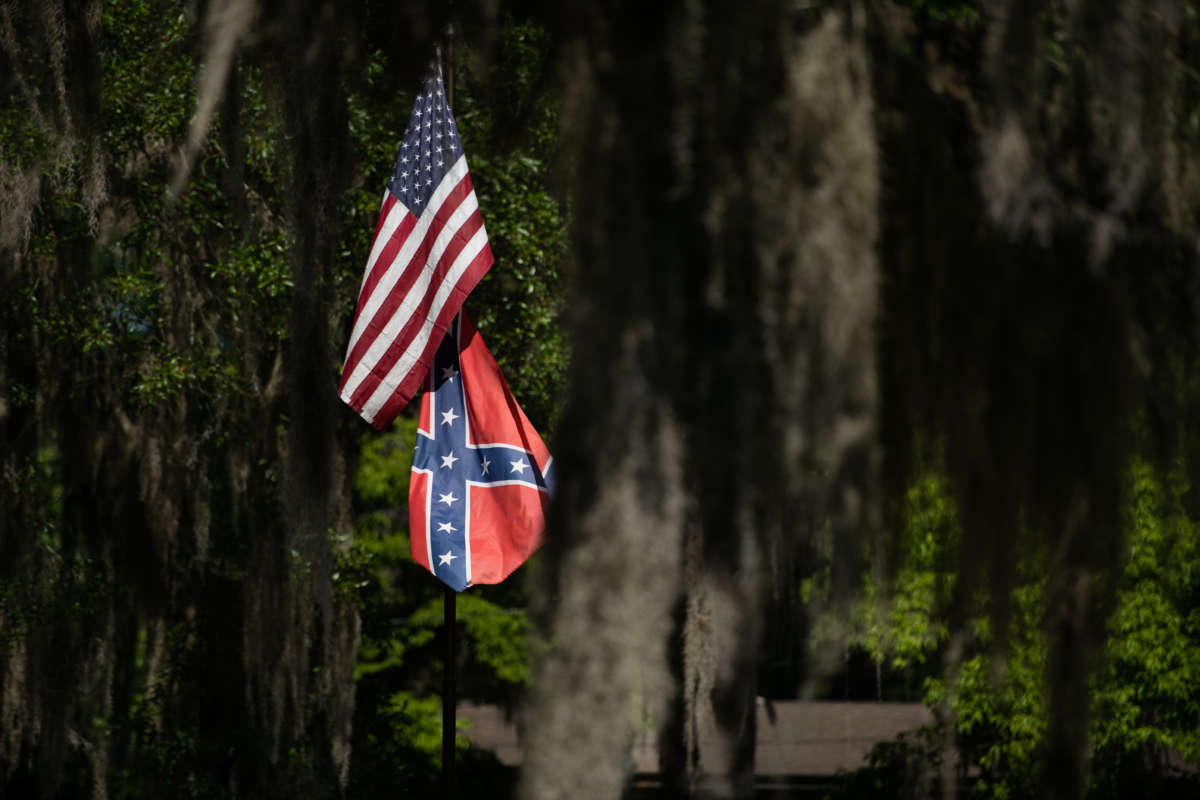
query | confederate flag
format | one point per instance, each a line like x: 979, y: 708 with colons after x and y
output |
x: 481, y: 476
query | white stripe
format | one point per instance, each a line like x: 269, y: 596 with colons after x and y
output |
x: 526, y: 484
x: 513, y: 447
x: 406, y: 361
x: 429, y: 521
x: 417, y: 235
x: 467, y: 534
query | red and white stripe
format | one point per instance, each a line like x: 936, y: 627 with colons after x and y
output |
x: 418, y: 274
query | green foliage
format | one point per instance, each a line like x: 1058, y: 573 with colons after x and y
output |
x: 148, y: 77
x: 1147, y: 696
x: 499, y: 642
x: 378, y: 483
x: 1146, y: 717
x: 999, y: 710
x: 898, y: 622
x: 1148, y: 699
x: 902, y: 623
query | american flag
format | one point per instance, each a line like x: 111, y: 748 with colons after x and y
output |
x: 481, y: 476
x: 429, y: 251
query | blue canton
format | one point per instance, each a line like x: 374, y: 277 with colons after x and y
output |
x: 452, y: 463
x: 430, y: 146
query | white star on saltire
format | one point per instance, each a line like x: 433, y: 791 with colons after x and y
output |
x: 446, y: 527
x: 448, y: 417
x: 518, y: 466
x: 448, y: 498
x: 448, y: 372
x: 486, y: 463
x: 446, y: 557
x: 448, y: 461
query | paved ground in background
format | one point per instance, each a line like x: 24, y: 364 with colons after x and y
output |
x: 795, y: 738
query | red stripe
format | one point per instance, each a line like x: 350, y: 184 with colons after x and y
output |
x: 418, y: 516
x: 408, y: 277
x: 412, y: 326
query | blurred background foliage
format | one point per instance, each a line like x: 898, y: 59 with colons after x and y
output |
x: 990, y: 696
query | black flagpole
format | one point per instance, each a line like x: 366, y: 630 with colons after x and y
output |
x: 448, y: 698
x: 449, y: 613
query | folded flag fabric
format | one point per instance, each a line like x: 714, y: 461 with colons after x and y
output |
x: 429, y: 251
x: 481, y: 475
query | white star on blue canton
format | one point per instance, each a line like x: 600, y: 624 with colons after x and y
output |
x: 448, y: 498
x: 446, y: 558
x: 448, y: 461
x: 449, y: 372
x: 446, y: 527
x: 448, y: 417
x: 485, y: 464
x: 519, y: 466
